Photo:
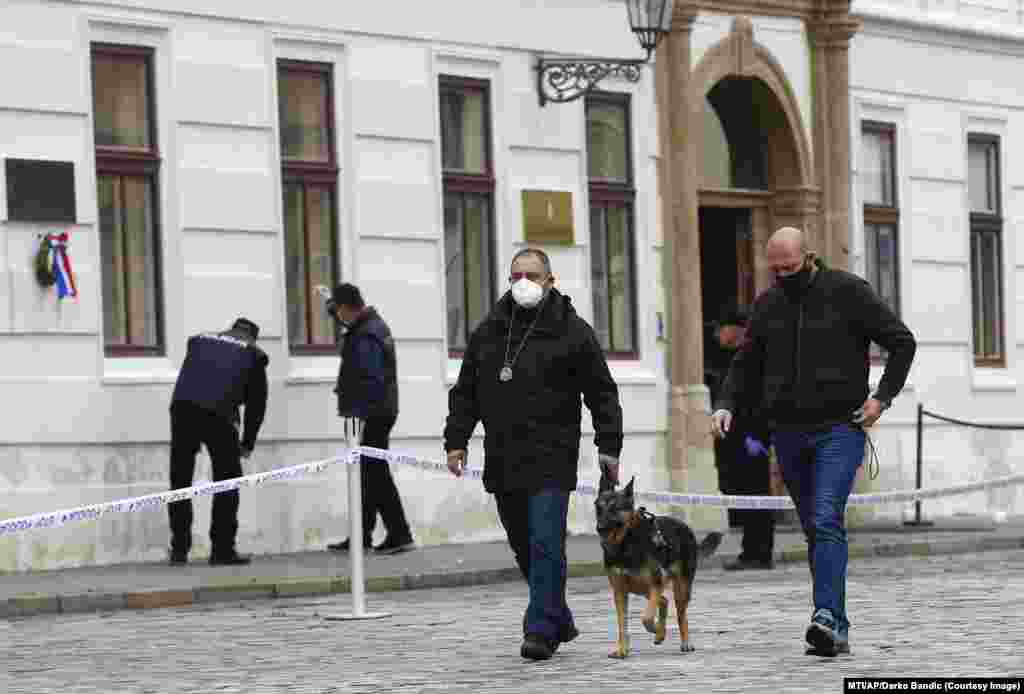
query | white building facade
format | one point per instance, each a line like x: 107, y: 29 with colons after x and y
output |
x: 229, y: 157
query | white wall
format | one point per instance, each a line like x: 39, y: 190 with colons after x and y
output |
x: 86, y: 428
x: 959, y: 67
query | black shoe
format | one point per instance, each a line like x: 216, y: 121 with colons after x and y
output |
x: 344, y: 546
x: 176, y: 558
x: 565, y: 636
x: 393, y: 546
x: 233, y: 559
x: 741, y: 564
x: 841, y: 648
x: 536, y: 647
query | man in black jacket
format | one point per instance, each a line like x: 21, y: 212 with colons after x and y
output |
x: 368, y: 390
x: 523, y: 374
x: 804, y: 365
x: 221, y: 372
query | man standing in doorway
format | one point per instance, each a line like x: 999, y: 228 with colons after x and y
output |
x: 805, y: 364
x: 742, y: 458
x: 368, y: 390
x: 525, y: 369
x: 221, y: 372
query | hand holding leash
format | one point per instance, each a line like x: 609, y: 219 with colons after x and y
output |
x: 609, y: 466
x: 457, y: 462
x: 721, y: 422
x: 868, y: 413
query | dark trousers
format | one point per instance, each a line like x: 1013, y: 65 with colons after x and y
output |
x: 380, y: 495
x: 190, y: 427
x: 535, y: 523
x: 742, y: 474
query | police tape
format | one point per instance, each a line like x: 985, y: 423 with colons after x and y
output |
x: 148, y: 502
x: 733, y: 501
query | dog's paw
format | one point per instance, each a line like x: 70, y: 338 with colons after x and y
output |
x: 686, y: 647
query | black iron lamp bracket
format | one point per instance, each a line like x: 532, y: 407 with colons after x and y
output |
x: 566, y: 79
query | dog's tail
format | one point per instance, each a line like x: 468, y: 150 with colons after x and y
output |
x: 709, y: 544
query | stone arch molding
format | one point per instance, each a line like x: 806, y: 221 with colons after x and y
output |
x: 739, y: 55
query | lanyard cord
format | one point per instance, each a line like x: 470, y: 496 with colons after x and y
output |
x: 508, y: 341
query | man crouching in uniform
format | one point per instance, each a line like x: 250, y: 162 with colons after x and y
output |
x: 221, y: 371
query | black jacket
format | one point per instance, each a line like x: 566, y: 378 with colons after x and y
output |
x: 368, y: 376
x: 221, y: 372
x: 532, y: 422
x: 805, y: 361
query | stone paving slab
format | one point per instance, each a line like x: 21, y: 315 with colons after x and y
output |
x: 150, y: 585
x: 935, y: 616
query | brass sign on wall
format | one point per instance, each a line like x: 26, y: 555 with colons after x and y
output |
x: 547, y: 217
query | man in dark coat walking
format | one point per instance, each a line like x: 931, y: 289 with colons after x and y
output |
x: 804, y: 366
x: 221, y: 372
x: 524, y: 372
x: 368, y: 390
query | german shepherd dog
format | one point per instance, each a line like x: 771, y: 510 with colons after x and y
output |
x: 641, y: 550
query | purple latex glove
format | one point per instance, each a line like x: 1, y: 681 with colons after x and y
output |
x: 755, y: 449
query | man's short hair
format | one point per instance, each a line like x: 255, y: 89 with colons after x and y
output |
x: 536, y: 252
x: 247, y: 326
x: 347, y: 294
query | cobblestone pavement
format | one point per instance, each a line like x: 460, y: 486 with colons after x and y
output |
x: 937, y: 616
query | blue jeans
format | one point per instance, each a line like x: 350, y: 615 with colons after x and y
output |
x: 818, y: 468
x: 535, y: 523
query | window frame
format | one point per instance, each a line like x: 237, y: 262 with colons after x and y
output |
x: 982, y: 223
x: 316, y: 175
x: 875, y: 214
x: 463, y: 183
x: 124, y: 162
x: 607, y: 194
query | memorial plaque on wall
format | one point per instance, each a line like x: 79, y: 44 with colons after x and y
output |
x: 547, y: 217
x: 40, y: 191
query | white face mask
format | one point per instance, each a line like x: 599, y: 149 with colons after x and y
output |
x: 526, y: 293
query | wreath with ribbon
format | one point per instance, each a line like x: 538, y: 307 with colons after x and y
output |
x: 44, y: 264
x: 53, y: 265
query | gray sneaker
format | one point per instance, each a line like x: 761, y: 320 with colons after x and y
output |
x: 823, y: 637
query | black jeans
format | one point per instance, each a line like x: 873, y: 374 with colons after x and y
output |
x: 380, y: 495
x: 190, y: 427
x: 742, y: 474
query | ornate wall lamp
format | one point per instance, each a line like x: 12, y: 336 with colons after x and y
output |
x: 567, y: 79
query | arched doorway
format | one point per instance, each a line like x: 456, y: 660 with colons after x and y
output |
x: 754, y: 174
x: 755, y: 169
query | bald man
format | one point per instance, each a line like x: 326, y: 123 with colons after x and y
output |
x: 804, y: 367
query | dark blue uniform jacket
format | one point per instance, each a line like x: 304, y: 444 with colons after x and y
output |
x: 221, y: 372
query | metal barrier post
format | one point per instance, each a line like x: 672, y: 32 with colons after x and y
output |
x: 353, y: 438
x: 919, y: 481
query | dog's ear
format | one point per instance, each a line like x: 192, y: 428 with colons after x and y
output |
x: 628, y: 490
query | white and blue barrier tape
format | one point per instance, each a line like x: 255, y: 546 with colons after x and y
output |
x: 149, y: 502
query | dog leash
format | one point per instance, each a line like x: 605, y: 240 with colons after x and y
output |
x: 872, y: 458
x: 656, y: 536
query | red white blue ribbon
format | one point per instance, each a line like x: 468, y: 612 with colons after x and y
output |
x: 60, y: 263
